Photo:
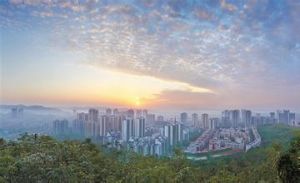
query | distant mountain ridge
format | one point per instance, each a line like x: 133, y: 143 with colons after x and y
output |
x: 30, y: 107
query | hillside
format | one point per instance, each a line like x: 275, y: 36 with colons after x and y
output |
x: 279, y: 133
x: 44, y: 159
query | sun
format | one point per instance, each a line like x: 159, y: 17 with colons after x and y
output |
x: 137, y: 101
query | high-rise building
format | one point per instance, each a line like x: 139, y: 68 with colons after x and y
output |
x: 158, y: 147
x: 272, y: 117
x: 286, y: 117
x: 168, y: 134
x: 138, y: 113
x: 234, y: 117
x: 150, y: 118
x: 88, y: 129
x: 82, y: 116
x: 213, y: 123
x: 173, y: 133
x: 179, y: 130
x: 160, y: 118
x: 91, y: 124
x: 226, y: 119
x: 205, y: 122
x: 17, y: 112
x: 103, y: 126
x: 283, y: 116
x: 115, y: 123
x: 127, y: 129
x: 79, y: 123
x: 108, y: 111
x: 246, y: 117
x: 116, y: 112
x: 256, y: 120
x: 60, y: 127
x: 183, y: 117
x: 286, y: 114
x: 93, y: 115
x: 144, y: 112
x: 130, y: 113
x: 292, y: 119
x: 140, y: 127
x: 195, y: 120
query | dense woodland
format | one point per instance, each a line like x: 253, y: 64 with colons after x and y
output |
x: 35, y: 158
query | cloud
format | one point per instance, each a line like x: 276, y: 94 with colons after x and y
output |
x: 203, y: 14
x: 183, y: 100
x: 213, y: 44
x: 227, y: 6
x: 229, y: 98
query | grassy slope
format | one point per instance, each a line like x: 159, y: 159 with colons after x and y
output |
x: 277, y: 134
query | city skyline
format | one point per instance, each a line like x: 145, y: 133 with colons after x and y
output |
x: 151, y: 54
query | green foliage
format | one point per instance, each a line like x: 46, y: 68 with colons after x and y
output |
x: 279, y: 133
x: 288, y: 165
x: 44, y: 159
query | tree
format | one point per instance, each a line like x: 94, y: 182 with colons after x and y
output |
x: 288, y: 166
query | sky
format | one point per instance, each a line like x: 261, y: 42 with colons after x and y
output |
x: 174, y: 54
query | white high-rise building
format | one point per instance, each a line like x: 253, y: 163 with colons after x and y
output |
x: 91, y: 124
x: 168, y: 133
x: 234, y: 117
x: 100, y: 126
x: 213, y: 123
x: 195, y: 120
x: 179, y: 130
x: 283, y: 116
x: 115, y: 122
x: 292, y: 119
x: 140, y: 127
x: 127, y: 129
x: 226, y: 119
x: 174, y: 133
x: 93, y: 115
x: 246, y: 117
x: 103, y: 125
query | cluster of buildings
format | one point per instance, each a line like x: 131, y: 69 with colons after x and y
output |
x: 286, y: 117
x: 130, y: 129
x: 148, y: 134
x: 201, y: 143
x: 235, y: 129
x: 240, y: 118
x: 225, y: 138
x: 233, y: 138
x: 204, y: 121
x: 17, y: 112
x: 60, y: 126
x: 246, y: 118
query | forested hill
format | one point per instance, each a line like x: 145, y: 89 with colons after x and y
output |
x: 43, y: 159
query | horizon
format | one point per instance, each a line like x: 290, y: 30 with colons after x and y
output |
x: 159, y: 55
x: 166, y: 112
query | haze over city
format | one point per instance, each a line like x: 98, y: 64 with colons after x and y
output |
x: 184, y: 91
x: 151, y: 54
